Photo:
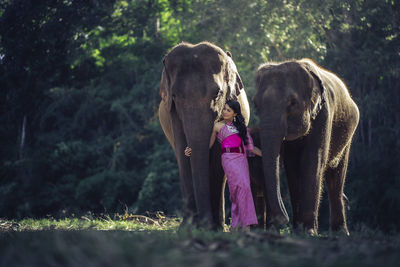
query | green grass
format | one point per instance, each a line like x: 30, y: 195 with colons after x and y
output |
x: 92, y: 224
x: 137, y: 242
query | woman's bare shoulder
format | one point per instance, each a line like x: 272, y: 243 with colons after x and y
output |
x: 218, y: 125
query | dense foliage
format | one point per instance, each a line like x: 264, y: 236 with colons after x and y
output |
x: 79, y: 84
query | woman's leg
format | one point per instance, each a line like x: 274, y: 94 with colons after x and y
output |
x: 237, y: 173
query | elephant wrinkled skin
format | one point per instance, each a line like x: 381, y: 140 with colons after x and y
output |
x: 308, y: 118
x: 196, y: 82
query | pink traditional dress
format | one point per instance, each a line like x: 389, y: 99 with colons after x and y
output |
x: 234, y: 162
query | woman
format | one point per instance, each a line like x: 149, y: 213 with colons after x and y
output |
x: 235, y: 141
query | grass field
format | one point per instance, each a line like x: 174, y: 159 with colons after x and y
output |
x: 141, y: 241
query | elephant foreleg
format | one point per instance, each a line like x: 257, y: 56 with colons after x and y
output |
x: 292, y: 169
x: 257, y: 188
x: 310, y: 194
x: 313, y: 162
x: 217, y: 188
x: 259, y: 205
x: 312, y: 167
x: 335, y: 179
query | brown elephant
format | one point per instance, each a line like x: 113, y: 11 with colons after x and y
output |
x: 196, y: 82
x: 308, y: 117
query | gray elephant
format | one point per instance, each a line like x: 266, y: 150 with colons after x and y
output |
x: 196, y: 82
x: 308, y: 118
x: 257, y: 181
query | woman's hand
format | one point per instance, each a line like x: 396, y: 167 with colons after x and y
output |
x: 188, y: 151
x: 257, y: 151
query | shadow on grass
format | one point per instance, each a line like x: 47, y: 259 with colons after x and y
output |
x: 73, y: 242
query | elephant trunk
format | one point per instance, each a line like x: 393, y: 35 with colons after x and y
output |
x: 272, y: 135
x: 198, y: 140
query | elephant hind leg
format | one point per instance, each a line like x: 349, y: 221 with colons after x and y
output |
x: 335, y: 179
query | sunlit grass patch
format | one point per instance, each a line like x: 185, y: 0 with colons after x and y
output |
x: 128, y: 222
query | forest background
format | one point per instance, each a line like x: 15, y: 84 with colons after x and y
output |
x: 79, y: 85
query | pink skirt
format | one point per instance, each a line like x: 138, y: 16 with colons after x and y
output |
x: 237, y: 173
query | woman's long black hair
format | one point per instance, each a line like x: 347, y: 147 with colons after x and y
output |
x: 238, y: 121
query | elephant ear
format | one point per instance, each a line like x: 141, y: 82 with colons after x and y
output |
x: 232, y: 78
x: 318, y: 98
x: 165, y: 92
x: 239, y: 84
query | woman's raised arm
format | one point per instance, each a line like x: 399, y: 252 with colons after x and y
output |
x: 213, y: 136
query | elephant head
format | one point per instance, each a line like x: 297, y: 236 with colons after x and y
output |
x: 289, y: 97
x: 203, y: 71
x: 196, y: 82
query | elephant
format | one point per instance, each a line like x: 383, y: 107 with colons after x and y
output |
x: 196, y: 81
x: 307, y: 119
x: 257, y: 180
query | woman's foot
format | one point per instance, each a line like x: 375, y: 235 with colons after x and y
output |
x: 244, y: 229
